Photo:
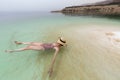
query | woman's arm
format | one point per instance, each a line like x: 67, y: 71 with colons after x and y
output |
x: 53, y: 61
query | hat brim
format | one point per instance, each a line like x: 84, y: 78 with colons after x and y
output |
x: 61, y: 43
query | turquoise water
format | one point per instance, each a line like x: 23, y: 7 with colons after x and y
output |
x: 29, y: 27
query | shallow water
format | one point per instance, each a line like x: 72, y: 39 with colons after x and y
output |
x: 90, y: 55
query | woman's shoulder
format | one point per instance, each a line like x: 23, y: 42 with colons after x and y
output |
x: 55, y: 44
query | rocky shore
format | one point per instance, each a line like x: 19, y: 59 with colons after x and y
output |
x: 102, y: 8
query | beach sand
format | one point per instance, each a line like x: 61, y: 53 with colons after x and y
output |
x: 93, y: 53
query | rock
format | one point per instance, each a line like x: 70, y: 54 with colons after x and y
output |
x: 110, y: 7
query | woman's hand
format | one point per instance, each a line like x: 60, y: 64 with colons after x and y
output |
x: 50, y: 72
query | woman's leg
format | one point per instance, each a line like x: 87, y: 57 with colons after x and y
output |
x: 16, y: 50
x: 22, y: 42
x: 29, y: 43
x: 26, y: 48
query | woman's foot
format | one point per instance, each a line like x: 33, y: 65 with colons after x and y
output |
x: 10, y: 51
x: 16, y: 42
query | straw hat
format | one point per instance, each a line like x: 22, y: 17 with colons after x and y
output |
x: 61, y: 41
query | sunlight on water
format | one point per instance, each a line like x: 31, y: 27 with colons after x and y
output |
x: 89, y: 55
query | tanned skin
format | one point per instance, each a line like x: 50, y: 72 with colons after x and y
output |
x: 38, y: 46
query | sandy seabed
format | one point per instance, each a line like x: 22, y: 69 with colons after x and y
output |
x: 93, y: 53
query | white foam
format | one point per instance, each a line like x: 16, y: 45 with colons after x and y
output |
x: 117, y: 35
x: 115, y: 38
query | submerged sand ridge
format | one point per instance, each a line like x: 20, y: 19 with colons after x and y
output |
x: 93, y: 53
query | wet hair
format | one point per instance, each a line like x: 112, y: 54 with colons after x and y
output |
x: 61, y: 45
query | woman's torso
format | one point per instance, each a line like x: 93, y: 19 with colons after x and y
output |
x: 50, y: 45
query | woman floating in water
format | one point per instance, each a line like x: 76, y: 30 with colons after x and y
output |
x: 42, y: 46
